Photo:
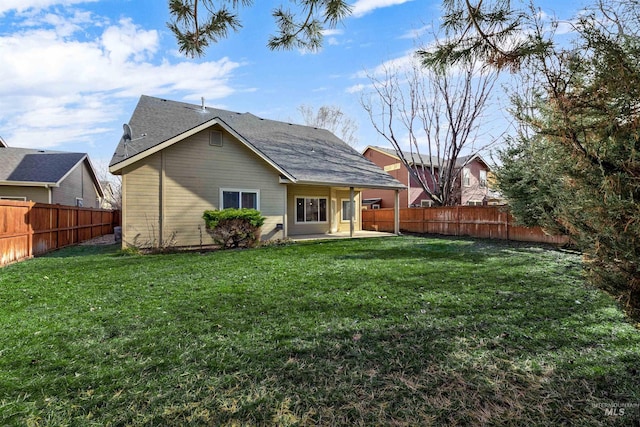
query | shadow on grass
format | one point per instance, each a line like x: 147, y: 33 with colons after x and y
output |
x: 400, y: 332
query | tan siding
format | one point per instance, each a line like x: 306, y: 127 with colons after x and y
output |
x: 307, y: 191
x: 194, y: 172
x: 140, y: 194
x: 345, y: 226
x: 35, y: 194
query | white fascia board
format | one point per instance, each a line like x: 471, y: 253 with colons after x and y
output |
x: 115, y: 169
x: 29, y: 184
x: 92, y: 171
x: 159, y: 147
x: 349, y: 185
x: 71, y: 169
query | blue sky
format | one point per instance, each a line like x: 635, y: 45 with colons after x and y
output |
x: 72, y: 71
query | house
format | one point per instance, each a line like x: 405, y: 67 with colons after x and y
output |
x: 472, y: 181
x: 45, y: 176
x: 178, y: 160
x: 111, y: 199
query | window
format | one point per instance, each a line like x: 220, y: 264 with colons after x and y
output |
x: 215, y: 138
x: 346, y: 210
x: 79, y: 202
x: 475, y: 203
x: 17, y: 198
x: 466, y: 177
x: 240, y: 199
x: 426, y: 203
x: 483, y: 179
x: 311, y: 209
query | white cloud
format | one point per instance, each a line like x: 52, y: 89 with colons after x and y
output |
x: 332, y: 32
x: 416, y: 33
x: 56, y: 89
x: 23, y: 5
x: 125, y: 40
x: 402, y: 63
x: 362, y: 7
x: 357, y: 88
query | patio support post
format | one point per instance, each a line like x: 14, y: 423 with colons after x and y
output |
x: 353, y: 210
x: 396, y: 214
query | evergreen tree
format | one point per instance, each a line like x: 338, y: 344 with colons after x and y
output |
x: 575, y: 165
x: 197, y: 23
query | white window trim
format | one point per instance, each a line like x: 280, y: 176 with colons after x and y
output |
x: 239, y: 190
x: 295, y: 199
x: 468, y: 172
x: 79, y: 202
x: 483, y: 181
x: 342, y: 211
x: 14, y: 198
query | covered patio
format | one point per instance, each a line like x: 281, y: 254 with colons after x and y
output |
x: 342, y: 235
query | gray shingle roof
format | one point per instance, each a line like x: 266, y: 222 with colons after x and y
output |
x: 307, y: 154
x: 28, y: 165
x: 436, y: 161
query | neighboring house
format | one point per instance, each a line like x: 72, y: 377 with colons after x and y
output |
x: 472, y: 182
x: 111, y: 199
x: 53, y: 177
x: 178, y: 160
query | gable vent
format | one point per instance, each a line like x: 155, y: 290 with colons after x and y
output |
x: 215, y: 138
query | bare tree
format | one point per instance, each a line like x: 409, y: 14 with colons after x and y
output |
x: 429, y: 115
x: 331, y: 118
x: 111, y: 185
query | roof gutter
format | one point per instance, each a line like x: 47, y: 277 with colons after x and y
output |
x: 117, y: 167
x: 355, y: 185
x: 30, y: 184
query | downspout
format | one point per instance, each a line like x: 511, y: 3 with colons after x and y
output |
x: 285, y: 216
x: 396, y: 214
x: 162, y: 198
x: 353, y: 211
x: 408, y: 190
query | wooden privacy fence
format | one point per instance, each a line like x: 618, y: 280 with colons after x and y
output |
x: 28, y: 229
x: 492, y: 222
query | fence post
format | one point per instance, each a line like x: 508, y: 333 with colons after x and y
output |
x: 30, y: 229
x: 508, y: 219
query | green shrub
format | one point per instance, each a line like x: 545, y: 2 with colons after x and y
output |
x: 234, y: 228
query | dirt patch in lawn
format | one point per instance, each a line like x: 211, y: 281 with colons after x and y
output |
x: 107, y: 239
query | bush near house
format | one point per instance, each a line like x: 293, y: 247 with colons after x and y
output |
x: 234, y: 228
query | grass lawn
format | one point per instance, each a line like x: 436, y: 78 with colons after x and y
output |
x: 396, y: 331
